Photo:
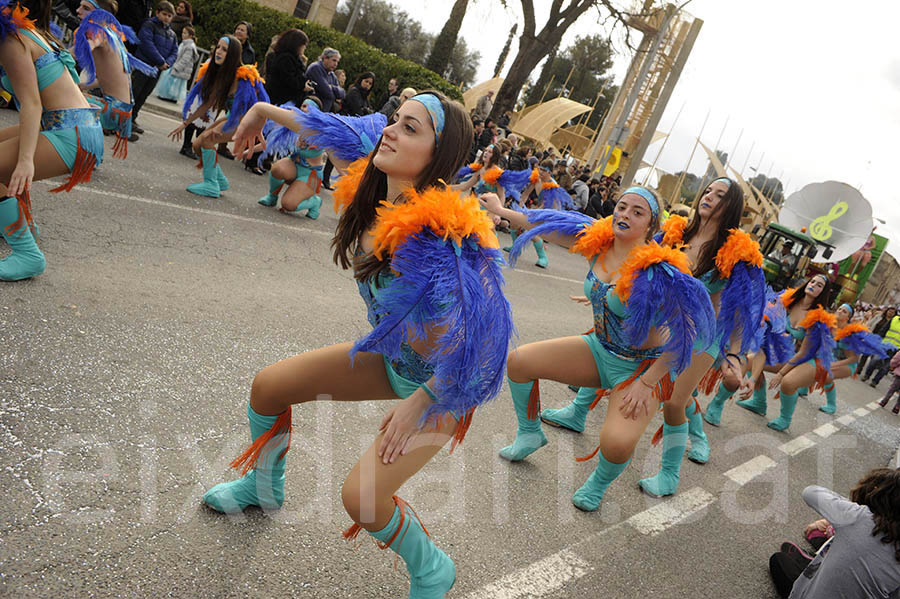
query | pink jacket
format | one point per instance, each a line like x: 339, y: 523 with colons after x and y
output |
x: 895, y: 364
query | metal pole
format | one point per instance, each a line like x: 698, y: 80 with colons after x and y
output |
x: 747, y: 159
x: 688, y: 165
x: 546, y: 89
x: 730, y: 156
x: 663, y: 147
x: 702, y: 185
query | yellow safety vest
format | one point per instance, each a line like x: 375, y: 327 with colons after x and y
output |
x: 893, y: 334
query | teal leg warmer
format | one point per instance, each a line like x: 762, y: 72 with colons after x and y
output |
x: 262, y: 486
x: 542, y: 255
x: 589, y: 496
x: 26, y: 260
x: 788, y: 403
x: 699, y: 452
x: 666, y: 480
x: 312, y: 205
x: 221, y: 178
x: 210, y: 185
x: 431, y: 571
x: 515, y: 235
x: 830, y: 406
x: 529, y: 436
x: 573, y: 415
x: 271, y: 198
x: 757, y: 403
x: 803, y: 391
x: 714, y: 409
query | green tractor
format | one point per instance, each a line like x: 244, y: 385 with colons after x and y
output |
x: 787, y: 255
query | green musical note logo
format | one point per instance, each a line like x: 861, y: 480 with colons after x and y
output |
x: 820, y: 229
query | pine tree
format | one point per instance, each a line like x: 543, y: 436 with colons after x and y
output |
x: 446, y: 39
x: 502, y: 59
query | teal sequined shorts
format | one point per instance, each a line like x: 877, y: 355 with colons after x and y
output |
x: 611, y: 368
x: 73, y: 128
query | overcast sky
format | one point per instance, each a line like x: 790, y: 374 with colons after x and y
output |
x: 813, y: 85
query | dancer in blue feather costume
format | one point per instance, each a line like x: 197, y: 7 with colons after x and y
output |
x: 300, y: 171
x: 648, y: 313
x: 487, y: 176
x: 805, y: 309
x: 45, y: 143
x: 429, y: 269
x: 99, y: 47
x: 223, y: 85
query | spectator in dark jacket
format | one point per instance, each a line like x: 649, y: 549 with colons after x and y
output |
x: 159, y: 48
x: 518, y: 159
x: 184, y: 15
x: 286, y: 69
x: 133, y: 13
x: 242, y: 31
x: 357, y: 101
x: 392, y: 90
x: 65, y: 12
x: 321, y: 73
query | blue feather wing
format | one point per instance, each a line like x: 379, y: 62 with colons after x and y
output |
x: 193, y: 97
x: 246, y: 95
x: 864, y: 343
x: 741, y: 304
x: 143, y: 67
x: 464, y: 173
x: 663, y: 296
x: 556, y: 195
x: 7, y: 27
x: 280, y: 140
x: 549, y: 221
x: 82, y: 50
x: 820, y: 346
x: 347, y: 137
x: 456, y: 291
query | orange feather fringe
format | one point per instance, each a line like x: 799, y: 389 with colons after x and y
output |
x: 739, y: 247
x: 788, y: 296
x: 201, y: 71
x: 534, y: 401
x: 549, y: 185
x: 853, y: 327
x: 491, y: 175
x: 24, y: 201
x: 594, y: 240
x: 535, y: 177
x: 673, y: 229
x: 81, y: 170
x: 643, y: 257
x: 247, y: 460
x: 709, y: 381
x: 352, y: 532
x: 446, y: 212
x: 476, y: 166
x: 249, y: 72
x: 819, y: 315
x: 462, y: 427
x: 345, y: 187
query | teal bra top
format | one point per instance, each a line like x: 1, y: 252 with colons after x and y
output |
x: 712, y: 285
x: 49, y: 66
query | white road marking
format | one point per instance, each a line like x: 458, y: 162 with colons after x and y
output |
x: 826, y: 430
x: 795, y: 446
x: 873, y: 406
x: 671, y: 511
x: 860, y: 412
x: 846, y: 419
x: 536, y: 580
x: 750, y: 469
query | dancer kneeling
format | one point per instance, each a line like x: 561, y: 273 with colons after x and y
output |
x: 648, y: 311
x: 428, y: 267
x: 853, y: 340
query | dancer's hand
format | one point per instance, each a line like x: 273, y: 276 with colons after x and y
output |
x: 20, y: 181
x: 400, y: 425
x: 491, y: 202
x: 729, y: 367
x: 746, y: 388
x: 637, y: 400
x: 248, y: 135
x: 176, y: 132
x: 820, y: 525
x: 495, y: 219
x: 580, y: 299
x: 776, y: 381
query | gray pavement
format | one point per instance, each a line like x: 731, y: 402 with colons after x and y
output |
x: 124, y: 378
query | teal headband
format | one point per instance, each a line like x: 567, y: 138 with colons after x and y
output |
x: 645, y: 193
x: 433, y: 105
x: 224, y: 38
x: 93, y: 3
x: 723, y: 179
x: 849, y: 307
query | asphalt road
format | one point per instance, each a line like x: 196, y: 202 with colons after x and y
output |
x: 125, y: 371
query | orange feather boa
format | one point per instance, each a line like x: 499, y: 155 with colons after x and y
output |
x: 491, y: 175
x: 594, y: 240
x: 819, y: 315
x: 849, y: 329
x: 345, y: 188
x: 673, y: 229
x: 739, y: 247
x: 642, y: 257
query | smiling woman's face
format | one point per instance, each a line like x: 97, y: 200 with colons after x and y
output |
x: 631, y: 218
x: 407, y: 144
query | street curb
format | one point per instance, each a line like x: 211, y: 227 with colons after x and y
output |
x: 162, y: 110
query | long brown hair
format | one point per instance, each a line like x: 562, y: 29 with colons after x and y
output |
x: 218, y: 80
x: 359, y: 217
x: 822, y: 300
x: 879, y: 490
x: 730, y: 210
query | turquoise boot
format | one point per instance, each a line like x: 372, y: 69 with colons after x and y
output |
x: 312, y: 205
x: 757, y: 403
x: 573, y: 415
x: 264, y: 485
x: 26, y: 260
x: 666, y: 480
x: 210, y: 186
x: 803, y: 391
x: 589, y: 496
x: 431, y: 571
x: 514, y: 235
x: 788, y: 403
x: 220, y: 177
x: 830, y: 406
x: 714, y: 409
x: 699, y: 451
x: 529, y: 436
x: 542, y: 255
x: 271, y: 198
